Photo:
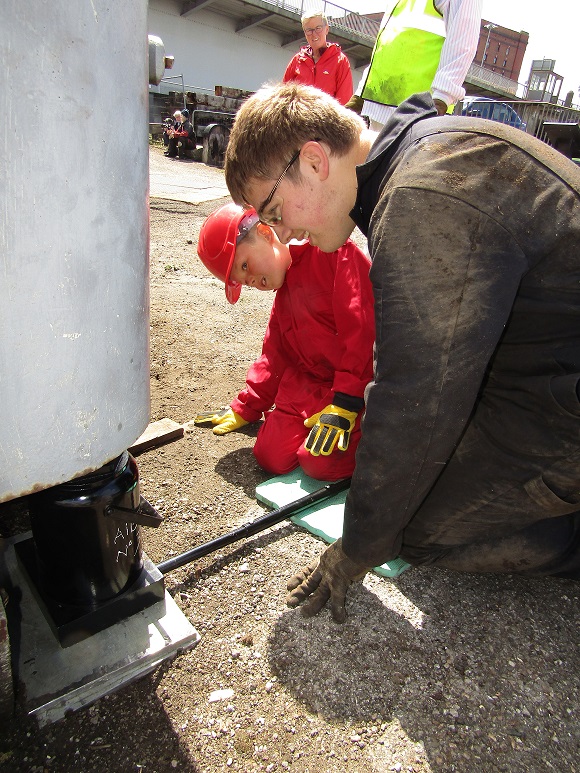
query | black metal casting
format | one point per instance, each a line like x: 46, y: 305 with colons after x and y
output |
x: 84, y: 559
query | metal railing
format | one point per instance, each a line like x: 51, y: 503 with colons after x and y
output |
x: 481, y: 74
x: 338, y: 16
x: 533, y: 115
x: 176, y: 79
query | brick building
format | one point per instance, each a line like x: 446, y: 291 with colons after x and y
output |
x: 501, y: 50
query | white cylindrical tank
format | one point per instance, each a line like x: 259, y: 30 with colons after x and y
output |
x: 74, y: 235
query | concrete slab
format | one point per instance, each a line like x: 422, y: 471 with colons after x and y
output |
x: 323, y: 518
x: 57, y: 680
x: 184, y: 179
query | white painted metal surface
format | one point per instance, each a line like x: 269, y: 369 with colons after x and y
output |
x: 58, y: 680
x: 74, y: 305
x: 210, y: 52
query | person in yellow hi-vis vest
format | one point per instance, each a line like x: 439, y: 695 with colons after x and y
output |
x: 422, y: 45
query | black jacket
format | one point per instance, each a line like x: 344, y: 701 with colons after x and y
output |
x: 473, y: 230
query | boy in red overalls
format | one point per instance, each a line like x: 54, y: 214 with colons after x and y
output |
x: 317, y: 355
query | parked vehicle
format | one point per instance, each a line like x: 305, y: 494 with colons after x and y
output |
x: 484, y: 107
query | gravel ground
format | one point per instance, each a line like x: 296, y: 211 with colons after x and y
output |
x: 433, y: 671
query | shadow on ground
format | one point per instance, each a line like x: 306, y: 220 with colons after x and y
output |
x: 460, y: 683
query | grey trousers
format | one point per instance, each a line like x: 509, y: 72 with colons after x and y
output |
x: 453, y: 529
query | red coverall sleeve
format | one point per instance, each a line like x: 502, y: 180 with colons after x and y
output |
x: 344, y: 87
x: 353, y: 306
x: 290, y: 74
x: 263, y: 377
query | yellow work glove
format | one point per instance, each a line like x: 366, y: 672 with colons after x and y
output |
x: 225, y: 420
x: 330, y: 427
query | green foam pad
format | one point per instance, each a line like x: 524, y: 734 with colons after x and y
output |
x: 323, y: 518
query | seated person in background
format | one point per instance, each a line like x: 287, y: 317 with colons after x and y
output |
x: 183, y: 138
x: 171, y: 125
x: 317, y: 355
x: 319, y: 63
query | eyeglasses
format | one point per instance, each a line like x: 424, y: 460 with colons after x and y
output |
x: 275, y: 219
x: 313, y: 30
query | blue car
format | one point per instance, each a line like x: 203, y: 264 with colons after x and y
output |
x: 484, y: 107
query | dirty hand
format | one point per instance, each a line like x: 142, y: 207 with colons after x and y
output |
x: 331, y: 426
x: 440, y: 106
x: 355, y: 103
x: 327, y: 578
x: 225, y: 420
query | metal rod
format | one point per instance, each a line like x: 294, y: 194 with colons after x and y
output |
x: 260, y: 524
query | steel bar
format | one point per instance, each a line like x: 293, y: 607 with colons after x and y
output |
x: 254, y: 527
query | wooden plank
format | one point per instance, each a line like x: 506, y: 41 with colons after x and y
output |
x: 156, y: 434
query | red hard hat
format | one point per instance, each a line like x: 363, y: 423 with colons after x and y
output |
x: 218, y: 237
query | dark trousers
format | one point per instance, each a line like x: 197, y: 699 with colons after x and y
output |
x: 523, y: 502
x: 185, y: 145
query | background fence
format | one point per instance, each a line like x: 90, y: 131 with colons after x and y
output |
x: 338, y: 16
x: 556, y: 125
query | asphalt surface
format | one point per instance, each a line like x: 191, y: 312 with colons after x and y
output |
x: 184, y: 179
